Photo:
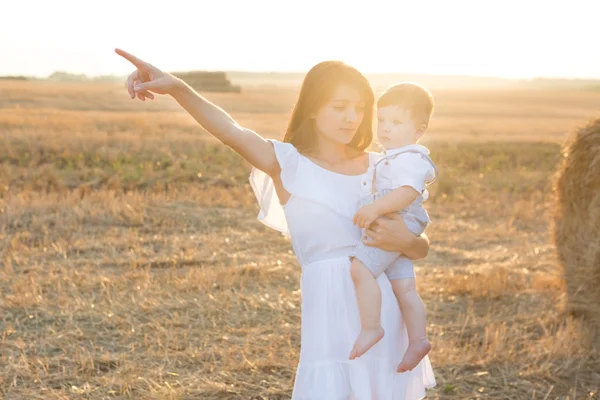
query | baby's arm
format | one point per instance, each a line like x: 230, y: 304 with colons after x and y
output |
x: 394, y: 201
x: 409, y: 174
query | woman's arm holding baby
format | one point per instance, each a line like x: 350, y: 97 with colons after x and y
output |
x: 388, y: 230
x: 390, y: 233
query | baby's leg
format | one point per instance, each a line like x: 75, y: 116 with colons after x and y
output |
x: 367, y: 264
x: 368, y: 295
x: 413, y: 312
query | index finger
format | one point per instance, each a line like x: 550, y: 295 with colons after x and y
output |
x: 131, y: 58
x: 377, y: 223
x: 370, y: 232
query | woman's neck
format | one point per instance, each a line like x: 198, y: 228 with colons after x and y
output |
x: 332, y: 152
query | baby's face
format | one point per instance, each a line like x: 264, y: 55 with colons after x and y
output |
x: 396, y: 127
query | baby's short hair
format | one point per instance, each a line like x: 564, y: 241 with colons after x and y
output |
x: 412, y: 96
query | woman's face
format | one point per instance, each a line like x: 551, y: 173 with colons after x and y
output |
x: 339, y: 119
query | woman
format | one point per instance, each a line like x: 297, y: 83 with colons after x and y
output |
x: 308, y: 188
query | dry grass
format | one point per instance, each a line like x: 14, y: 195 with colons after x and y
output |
x: 132, y: 264
x: 578, y: 216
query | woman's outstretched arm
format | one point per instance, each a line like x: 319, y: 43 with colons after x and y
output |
x: 391, y: 233
x: 148, y: 79
x: 253, y: 147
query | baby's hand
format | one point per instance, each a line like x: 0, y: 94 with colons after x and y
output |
x: 366, y: 216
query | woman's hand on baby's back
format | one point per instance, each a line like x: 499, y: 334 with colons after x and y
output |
x: 147, y: 78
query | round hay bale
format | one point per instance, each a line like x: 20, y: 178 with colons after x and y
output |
x: 577, y: 221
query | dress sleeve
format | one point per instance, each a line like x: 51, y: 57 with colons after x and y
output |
x: 271, y: 211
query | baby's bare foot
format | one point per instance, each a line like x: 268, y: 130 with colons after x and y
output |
x: 414, y: 354
x: 366, y: 340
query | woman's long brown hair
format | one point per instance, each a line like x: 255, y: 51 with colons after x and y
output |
x: 318, y: 87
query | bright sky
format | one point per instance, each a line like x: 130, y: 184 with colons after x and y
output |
x: 515, y: 39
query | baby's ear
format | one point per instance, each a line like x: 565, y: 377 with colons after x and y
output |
x: 421, y: 131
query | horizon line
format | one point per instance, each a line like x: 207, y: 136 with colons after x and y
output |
x: 251, y: 71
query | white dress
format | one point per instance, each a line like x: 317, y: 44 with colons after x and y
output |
x: 318, y: 219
